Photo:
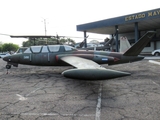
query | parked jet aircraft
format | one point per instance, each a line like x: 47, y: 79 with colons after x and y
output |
x: 107, y: 46
x: 86, y: 63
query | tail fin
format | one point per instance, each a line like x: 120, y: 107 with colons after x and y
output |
x: 140, y: 44
x: 124, y: 44
x: 110, y: 42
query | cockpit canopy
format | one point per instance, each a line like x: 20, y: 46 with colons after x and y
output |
x: 49, y: 48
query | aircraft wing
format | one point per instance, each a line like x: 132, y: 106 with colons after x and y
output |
x: 81, y: 63
x: 89, y: 70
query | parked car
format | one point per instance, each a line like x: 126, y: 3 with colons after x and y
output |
x: 2, y: 55
x: 156, y: 52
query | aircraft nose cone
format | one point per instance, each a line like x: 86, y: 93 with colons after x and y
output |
x: 6, y: 58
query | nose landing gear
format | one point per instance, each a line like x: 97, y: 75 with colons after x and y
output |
x: 8, y: 66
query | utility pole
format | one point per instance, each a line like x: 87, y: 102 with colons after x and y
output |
x: 45, y: 29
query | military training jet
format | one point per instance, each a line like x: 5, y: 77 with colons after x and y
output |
x: 86, y: 63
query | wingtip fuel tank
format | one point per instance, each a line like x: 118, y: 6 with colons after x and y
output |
x: 93, y: 74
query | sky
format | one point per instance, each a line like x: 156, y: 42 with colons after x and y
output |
x: 26, y: 17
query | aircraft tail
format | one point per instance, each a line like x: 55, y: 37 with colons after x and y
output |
x: 140, y: 44
x: 124, y: 44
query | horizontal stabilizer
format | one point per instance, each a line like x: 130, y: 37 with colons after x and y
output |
x: 140, y: 44
x: 93, y: 74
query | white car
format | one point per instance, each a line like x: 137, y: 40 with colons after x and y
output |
x: 156, y: 52
x: 2, y: 55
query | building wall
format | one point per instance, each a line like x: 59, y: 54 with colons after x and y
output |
x: 158, y: 44
x: 149, y: 49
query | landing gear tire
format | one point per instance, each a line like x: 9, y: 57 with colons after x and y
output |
x: 8, y: 66
x: 156, y: 54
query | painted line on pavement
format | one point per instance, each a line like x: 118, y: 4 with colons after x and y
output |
x: 98, y: 108
x: 155, y: 83
x: 33, y: 91
x: 25, y: 96
x: 54, y: 114
x: 155, y: 62
x: 21, y: 97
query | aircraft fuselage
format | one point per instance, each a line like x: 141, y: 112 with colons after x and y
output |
x: 47, y: 57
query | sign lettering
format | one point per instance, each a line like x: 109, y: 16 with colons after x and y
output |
x: 142, y: 15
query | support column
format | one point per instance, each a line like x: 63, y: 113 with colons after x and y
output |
x: 85, y: 39
x: 155, y: 41
x: 136, y: 32
x: 116, y: 29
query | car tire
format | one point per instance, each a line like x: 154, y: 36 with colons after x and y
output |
x: 156, y: 54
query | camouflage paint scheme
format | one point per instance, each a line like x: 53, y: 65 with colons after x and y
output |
x: 54, y: 59
x: 57, y: 58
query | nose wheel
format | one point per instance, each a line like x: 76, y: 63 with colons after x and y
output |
x: 8, y: 67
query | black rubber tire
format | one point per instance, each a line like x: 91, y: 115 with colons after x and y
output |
x: 156, y: 54
x: 8, y: 66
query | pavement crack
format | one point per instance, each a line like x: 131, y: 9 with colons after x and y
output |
x: 28, y: 111
x: 9, y: 105
x: 75, y: 114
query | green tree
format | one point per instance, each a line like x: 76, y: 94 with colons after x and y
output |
x: 62, y: 41
x: 70, y: 41
x: 0, y: 46
x: 48, y: 41
x: 9, y: 47
x: 67, y: 41
x: 30, y: 42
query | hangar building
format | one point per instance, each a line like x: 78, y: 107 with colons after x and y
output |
x: 133, y: 26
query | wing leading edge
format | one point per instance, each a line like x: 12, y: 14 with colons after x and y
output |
x: 89, y: 70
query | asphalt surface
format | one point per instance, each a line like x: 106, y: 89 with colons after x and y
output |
x: 42, y: 93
